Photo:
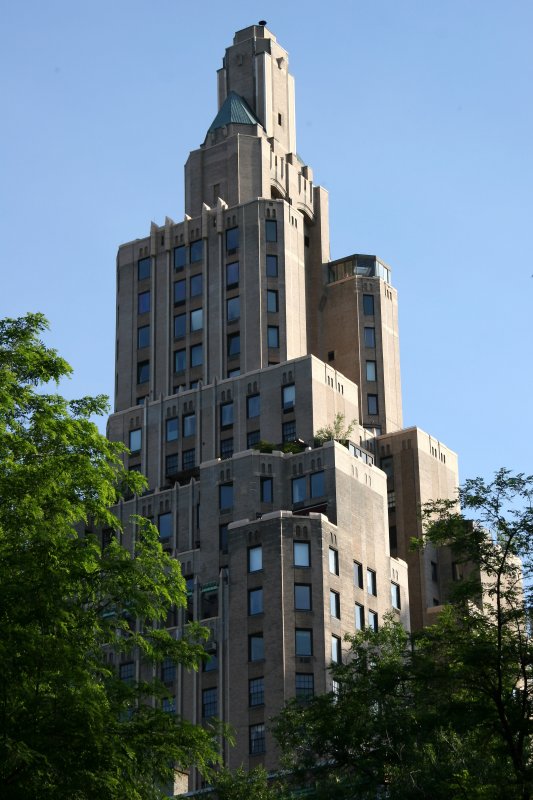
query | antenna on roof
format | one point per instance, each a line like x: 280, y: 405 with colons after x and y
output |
x: 262, y: 22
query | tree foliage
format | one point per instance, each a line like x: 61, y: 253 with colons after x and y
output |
x: 338, y: 430
x: 69, y: 727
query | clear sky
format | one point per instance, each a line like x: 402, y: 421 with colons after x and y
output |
x: 416, y: 116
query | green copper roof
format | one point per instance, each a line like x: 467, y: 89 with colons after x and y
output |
x: 234, y: 109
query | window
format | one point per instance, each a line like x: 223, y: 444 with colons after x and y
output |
x: 335, y: 604
x: 197, y: 319
x: 188, y: 459
x: 180, y: 292
x: 317, y: 484
x: 209, y: 703
x: 126, y: 672
x: 336, y: 650
x: 255, y: 558
x: 179, y: 257
x: 197, y: 355
x: 143, y: 372
x: 358, y: 574
x: 333, y: 561
x: 271, y: 230
x: 168, y: 670
x: 233, y: 308
x: 288, y: 431
x: 143, y: 268
x: 165, y: 526
x: 434, y: 571
x: 255, y: 601
x: 232, y: 373
x: 395, y: 595
x: 253, y: 438
x: 135, y: 440
x: 256, y: 691
x: 172, y: 464
x: 368, y: 305
x: 302, y: 596
x: 303, y: 642
x: 143, y: 336
x: 232, y: 274
x: 180, y: 326
x: 257, y: 739
x: 305, y: 685
x: 253, y: 406
x: 234, y: 344
x: 226, y: 415
x: 225, y: 496
x: 299, y: 486
x: 393, y: 539
x: 180, y: 360
x: 232, y: 240
x: 302, y: 554
x: 370, y: 337
x: 272, y: 266
x: 267, y: 490
x: 371, y: 371
x: 272, y: 301
x: 223, y: 538
x: 372, y: 620
x: 273, y: 336
x: 372, y: 400
x: 226, y: 448
x: 212, y: 664
x: 196, y: 285
x: 359, y: 617
x: 196, y: 251
x: 256, y: 649
x: 143, y: 302
x: 371, y: 585
x: 172, y: 429
x: 189, y: 424
x: 288, y: 397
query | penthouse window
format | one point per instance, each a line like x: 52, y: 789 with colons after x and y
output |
x: 135, y: 440
x: 299, y: 489
x: 165, y: 526
x: 271, y: 230
x: 225, y: 496
x: 226, y: 448
x: 272, y: 266
x: 179, y: 257
x: 232, y: 240
x: 196, y: 285
x: 143, y: 302
x: 252, y: 439
x: 302, y: 554
x: 196, y: 251
x: 273, y: 336
x: 372, y: 401
x: 288, y: 397
x: 371, y: 371
x: 188, y: 459
x: 370, y: 337
x: 172, y: 429
x: 180, y: 292
x: 317, y: 484
x: 333, y: 561
x: 255, y: 558
x: 143, y: 372
x: 226, y: 415
x: 267, y: 490
x: 288, y: 430
x: 143, y: 268
x: 253, y: 406
x: 232, y: 274
x: 172, y: 464
x: 368, y: 305
x: 189, y: 424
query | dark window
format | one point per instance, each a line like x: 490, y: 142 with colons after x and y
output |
x: 223, y: 538
x: 135, y: 440
x: 253, y: 438
x: 368, y: 305
x: 359, y: 617
x: 271, y: 230
x: 434, y: 572
x: 143, y: 336
x: 288, y: 397
x: 226, y: 448
x: 299, y: 489
x: 272, y: 301
x: 126, y: 672
x: 225, y: 496
x: 212, y: 664
x: 256, y: 691
x: 302, y: 596
x: 331, y: 355
x: 334, y: 604
x: 288, y: 430
x: 257, y: 739
x: 267, y: 490
x: 333, y: 561
x: 395, y: 595
x: 143, y: 301
x: 393, y: 539
x: 371, y: 585
x: 196, y: 285
x: 273, y: 336
x: 196, y: 251
x: 189, y: 424
x: 197, y: 355
x: 256, y: 650
x: 305, y: 685
x: 232, y: 240
x: 232, y: 274
x: 197, y: 319
x: 209, y: 703
x: 165, y: 526
x: 302, y: 554
x: 168, y: 670
x: 372, y: 620
x: 180, y: 292
x: 232, y: 373
x: 233, y: 308
x: 179, y: 257
x: 143, y: 372
x: 255, y: 601
x: 253, y: 406
x: 372, y: 400
x: 234, y: 344
x: 255, y: 558
x: 371, y: 372
x: 358, y: 574
x: 336, y: 650
x: 303, y: 642
x: 180, y: 326
x: 226, y: 415
x: 387, y: 465
x: 143, y: 268
x: 188, y: 459
x: 168, y: 705
x: 370, y: 337
x: 180, y: 360
x: 272, y: 266
x: 172, y: 464
x: 317, y: 484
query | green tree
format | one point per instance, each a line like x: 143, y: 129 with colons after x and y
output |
x: 243, y: 785
x: 69, y: 727
x: 338, y: 430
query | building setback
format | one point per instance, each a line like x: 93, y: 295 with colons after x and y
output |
x: 237, y: 339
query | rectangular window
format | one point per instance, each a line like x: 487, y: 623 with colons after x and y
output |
x: 255, y: 558
x: 226, y: 415
x: 371, y: 583
x: 180, y: 326
x: 256, y: 649
x: 188, y: 459
x: 335, y: 604
x: 299, y: 489
x: 180, y: 292
x: 288, y: 431
x: 143, y: 372
x: 303, y: 642
x: 317, y: 484
x: 358, y: 574
x: 370, y: 337
x: 368, y: 305
x: 233, y: 308
x: 143, y: 336
x: 252, y: 439
x: 371, y: 374
x: 395, y: 595
x: 226, y: 448
x: 272, y: 301
x: 255, y: 601
x: 189, y: 424
x: 143, y: 302
x: 209, y: 703
x: 273, y: 336
x: 223, y: 538
x: 234, y: 344
x: 126, y: 672
x: 135, y: 440
x: 180, y: 360
x: 434, y: 572
x: 232, y: 240
x: 197, y: 355
x: 257, y: 739
x: 197, y: 319
x: 256, y: 692
x: 179, y: 257
x: 271, y: 230
x: 336, y: 650
x: 372, y: 401
x: 272, y: 266
x: 168, y: 670
x: 196, y: 285
x: 302, y: 554
x: 233, y: 373
x: 288, y: 397
x: 267, y: 490
x: 305, y: 685
x: 212, y: 664
x: 225, y: 496
x: 302, y: 596
x: 253, y: 406
x: 172, y: 464
x: 143, y: 268
x: 359, y: 617
x: 165, y: 526
x: 232, y: 274
x: 196, y: 251
x: 333, y: 561
x: 372, y: 620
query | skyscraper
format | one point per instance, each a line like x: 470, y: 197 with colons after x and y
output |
x: 237, y: 340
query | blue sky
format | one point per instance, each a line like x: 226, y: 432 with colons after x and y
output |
x: 416, y: 116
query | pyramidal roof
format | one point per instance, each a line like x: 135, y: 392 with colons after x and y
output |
x: 234, y: 109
